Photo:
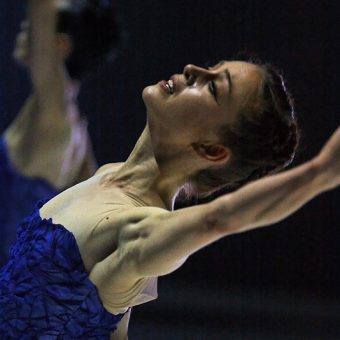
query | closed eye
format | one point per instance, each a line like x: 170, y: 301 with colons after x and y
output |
x: 213, y: 89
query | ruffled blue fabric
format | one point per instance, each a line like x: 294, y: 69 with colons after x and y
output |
x: 45, y: 292
x: 18, y: 194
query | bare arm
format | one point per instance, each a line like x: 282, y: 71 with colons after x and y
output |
x: 159, y: 244
x: 49, y: 120
x: 274, y: 198
x: 46, y: 105
x: 45, y: 66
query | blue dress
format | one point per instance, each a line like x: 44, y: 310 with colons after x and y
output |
x: 18, y: 194
x: 45, y: 292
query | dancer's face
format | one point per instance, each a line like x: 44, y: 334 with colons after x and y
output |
x: 201, y: 101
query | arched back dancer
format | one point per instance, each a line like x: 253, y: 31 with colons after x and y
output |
x: 87, y: 256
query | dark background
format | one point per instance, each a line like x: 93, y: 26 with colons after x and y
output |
x: 275, y: 283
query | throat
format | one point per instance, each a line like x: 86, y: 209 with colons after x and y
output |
x: 149, y: 180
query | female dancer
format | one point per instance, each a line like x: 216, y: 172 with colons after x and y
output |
x: 47, y: 147
x: 84, y: 258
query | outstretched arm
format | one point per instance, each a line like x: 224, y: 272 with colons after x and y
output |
x: 45, y: 108
x: 49, y: 120
x: 272, y: 199
x: 158, y: 244
x: 46, y: 105
x: 45, y: 63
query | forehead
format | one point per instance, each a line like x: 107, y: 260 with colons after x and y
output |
x: 247, y: 80
x: 238, y: 69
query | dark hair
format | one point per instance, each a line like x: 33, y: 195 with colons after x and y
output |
x: 94, y: 30
x: 263, y: 138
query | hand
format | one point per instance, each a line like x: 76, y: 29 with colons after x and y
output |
x: 328, y: 162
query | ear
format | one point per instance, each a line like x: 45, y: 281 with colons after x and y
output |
x: 64, y: 45
x: 217, y: 153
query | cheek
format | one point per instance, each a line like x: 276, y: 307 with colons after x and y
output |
x: 189, y: 108
x: 192, y: 106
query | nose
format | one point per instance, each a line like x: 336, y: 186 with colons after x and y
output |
x: 192, y: 73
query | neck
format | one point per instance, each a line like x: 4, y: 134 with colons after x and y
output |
x: 142, y: 176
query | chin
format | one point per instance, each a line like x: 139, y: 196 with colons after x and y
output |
x: 149, y: 92
x: 151, y: 96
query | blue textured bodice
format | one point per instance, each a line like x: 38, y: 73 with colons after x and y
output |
x: 18, y: 194
x: 45, y: 292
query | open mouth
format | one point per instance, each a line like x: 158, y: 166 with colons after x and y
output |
x: 170, y: 85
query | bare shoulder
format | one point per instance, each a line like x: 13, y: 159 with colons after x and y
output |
x: 138, y: 214
x: 151, y: 241
x: 113, y: 167
x: 117, y: 272
x: 132, y: 222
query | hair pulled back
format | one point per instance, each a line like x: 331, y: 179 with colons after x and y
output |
x: 93, y: 28
x: 263, y: 139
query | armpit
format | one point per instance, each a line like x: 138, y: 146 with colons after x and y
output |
x: 143, y: 291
